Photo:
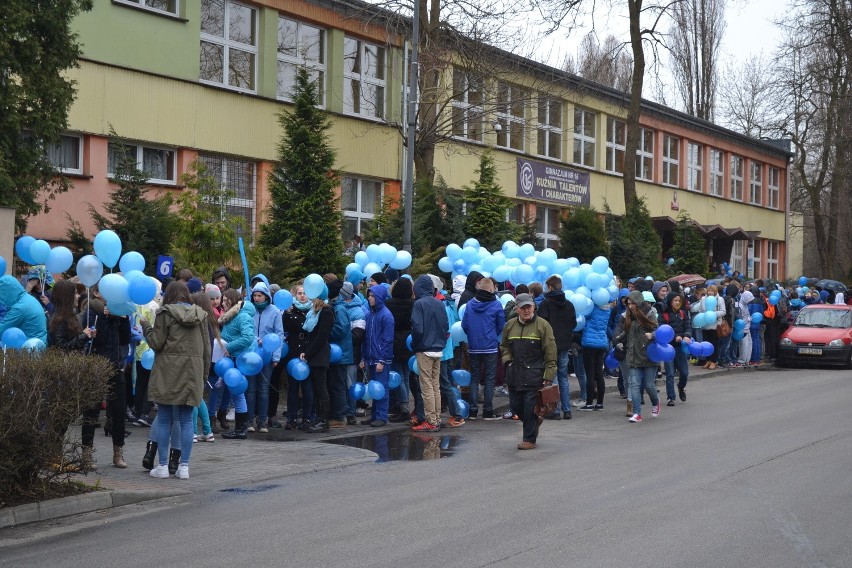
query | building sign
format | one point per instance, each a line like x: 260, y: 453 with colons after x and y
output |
x: 549, y: 182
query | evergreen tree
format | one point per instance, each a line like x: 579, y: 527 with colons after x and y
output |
x: 527, y: 232
x: 437, y: 216
x: 145, y: 225
x: 487, y: 207
x: 78, y: 243
x: 37, y: 46
x: 635, y: 247
x: 282, y: 264
x: 387, y: 226
x: 582, y: 235
x: 690, y: 247
x: 303, y: 208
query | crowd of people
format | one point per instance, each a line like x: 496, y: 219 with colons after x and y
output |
x: 515, y: 340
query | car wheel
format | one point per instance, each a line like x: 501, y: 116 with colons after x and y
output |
x: 848, y: 364
x: 781, y: 363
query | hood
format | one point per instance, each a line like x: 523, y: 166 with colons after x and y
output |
x: 10, y: 291
x: 402, y: 289
x: 424, y: 287
x: 381, y: 294
x: 262, y: 288
x: 746, y: 297
x: 636, y: 297
x: 263, y: 279
x: 483, y: 303
x: 187, y: 315
x: 556, y: 296
x: 670, y: 297
x: 731, y: 290
x: 655, y: 289
x: 221, y: 271
x: 472, y: 279
x: 355, y: 277
x: 458, y: 284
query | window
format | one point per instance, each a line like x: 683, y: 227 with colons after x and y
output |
x: 755, y: 194
x: 511, y: 116
x: 616, y: 137
x: 694, y: 166
x: 300, y: 45
x: 158, y: 164
x: 645, y: 155
x: 363, y: 78
x: 717, y: 172
x: 584, y: 137
x: 774, y: 187
x: 238, y: 180
x: 549, y: 127
x: 467, y: 106
x: 359, y: 199
x: 756, y: 257
x: 773, y: 251
x: 547, y: 226
x: 736, y: 178
x: 66, y: 154
x: 166, y: 6
x: 228, y: 44
x: 671, y: 160
x: 738, y: 256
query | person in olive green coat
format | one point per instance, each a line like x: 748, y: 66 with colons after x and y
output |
x: 181, y: 343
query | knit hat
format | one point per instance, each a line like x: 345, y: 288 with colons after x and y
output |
x: 212, y: 291
x: 347, y: 291
x: 194, y: 285
x: 378, y: 278
x: 334, y: 288
x: 392, y: 274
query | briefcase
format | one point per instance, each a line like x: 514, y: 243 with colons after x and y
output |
x: 548, y: 399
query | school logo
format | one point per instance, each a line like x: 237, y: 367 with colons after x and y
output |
x: 526, y: 178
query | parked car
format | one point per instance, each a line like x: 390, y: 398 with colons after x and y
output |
x: 820, y: 335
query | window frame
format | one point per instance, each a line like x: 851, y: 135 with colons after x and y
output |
x: 319, y: 68
x: 65, y: 170
x: 473, y: 114
x: 694, y: 171
x: 583, y: 141
x: 737, y: 179
x: 547, y: 236
x: 142, y: 5
x: 358, y: 215
x: 364, y: 79
x: 772, y: 260
x: 774, y: 189
x: 643, y: 153
x: 546, y: 127
x: 717, y: 176
x: 671, y: 164
x: 755, y: 183
x: 613, y: 147
x: 140, y: 161
x: 512, y: 126
x: 233, y: 201
x: 738, y: 260
x: 228, y: 44
x: 756, y: 258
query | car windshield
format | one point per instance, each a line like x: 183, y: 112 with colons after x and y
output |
x: 824, y: 318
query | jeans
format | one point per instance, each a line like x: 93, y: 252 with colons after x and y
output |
x: 446, y: 390
x: 174, y: 428
x: 478, y: 362
x: 725, y: 350
x: 167, y: 413
x: 562, y: 379
x: 681, y: 362
x: 756, y: 351
x: 351, y: 379
x: 337, y: 390
x: 380, y: 406
x: 257, y: 395
x: 523, y: 404
x: 580, y: 371
x: 205, y: 419
x: 643, y: 378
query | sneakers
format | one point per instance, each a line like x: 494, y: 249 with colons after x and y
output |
x: 425, y: 426
x: 508, y: 415
x: 195, y: 438
x: 291, y: 425
x: 359, y: 412
x: 566, y: 415
x: 263, y: 429
x: 682, y: 394
x: 350, y: 421
x: 579, y: 403
x: 160, y: 472
x: 598, y: 407
x: 377, y: 423
x: 143, y: 421
x: 490, y: 416
x: 183, y: 471
x: 251, y: 428
x: 206, y: 438
x: 636, y: 418
x: 587, y: 407
x: 501, y: 391
x: 670, y: 402
x: 337, y: 424
x: 655, y: 410
x: 526, y: 445
x: 274, y: 424
x: 454, y: 422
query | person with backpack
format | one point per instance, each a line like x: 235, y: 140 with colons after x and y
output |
x: 675, y: 316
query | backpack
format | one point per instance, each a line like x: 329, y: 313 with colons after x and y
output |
x: 681, y: 314
x: 769, y: 312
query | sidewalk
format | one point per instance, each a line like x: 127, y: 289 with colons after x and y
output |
x: 226, y: 464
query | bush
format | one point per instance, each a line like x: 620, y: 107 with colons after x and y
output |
x: 40, y: 395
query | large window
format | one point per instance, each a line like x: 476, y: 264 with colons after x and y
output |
x: 238, y: 180
x: 694, y: 166
x: 774, y: 187
x: 584, y: 137
x: 671, y: 160
x: 549, y: 127
x: 736, y: 177
x: 717, y: 172
x: 756, y: 257
x: 300, y: 45
x: 511, y: 116
x: 645, y: 155
x: 773, y: 252
x: 616, y: 138
x: 467, y: 105
x: 158, y: 164
x: 547, y: 226
x: 360, y: 199
x: 66, y: 154
x: 755, y: 194
x: 166, y: 6
x: 228, y: 44
x: 363, y: 78
x: 738, y: 256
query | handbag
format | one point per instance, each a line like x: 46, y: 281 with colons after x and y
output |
x: 548, y: 398
x: 723, y: 328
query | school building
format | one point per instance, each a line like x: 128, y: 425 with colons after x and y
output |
x: 182, y: 80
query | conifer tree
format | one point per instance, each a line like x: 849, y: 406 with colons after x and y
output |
x: 303, y: 207
x: 635, y: 246
x: 437, y: 218
x: 690, y: 247
x: 387, y: 226
x: 582, y: 235
x: 487, y: 207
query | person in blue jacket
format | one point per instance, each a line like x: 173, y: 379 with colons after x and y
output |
x: 483, y: 322
x: 266, y: 319
x: 429, y: 330
x: 377, y: 350
x: 595, y: 343
x: 238, y: 334
x: 338, y: 371
x: 22, y: 310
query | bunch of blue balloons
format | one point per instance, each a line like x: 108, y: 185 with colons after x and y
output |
x: 462, y: 378
x: 738, y: 331
x: 661, y: 349
x: 375, y: 259
x: 373, y: 390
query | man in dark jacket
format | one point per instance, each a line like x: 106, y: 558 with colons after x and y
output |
x: 562, y: 317
x: 429, y: 330
x: 377, y: 350
x: 482, y: 322
x: 677, y: 316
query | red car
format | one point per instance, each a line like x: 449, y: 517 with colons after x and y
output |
x: 821, y: 334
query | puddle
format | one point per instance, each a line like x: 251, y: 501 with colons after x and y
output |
x: 247, y: 490
x: 403, y: 445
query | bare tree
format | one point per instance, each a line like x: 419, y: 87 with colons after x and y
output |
x: 747, y: 98
x: 607, y: 63
x: 694, y: 40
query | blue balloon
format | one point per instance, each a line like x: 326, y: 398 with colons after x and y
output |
x: 699, y: 320
x: 653, y: 352
x: 2, y: 266
x: 357, y: 390
x: 684, y: 346
x: 114, y: 289
x: 33, y: 345
x: 222, y: 366
x: 298, y: 369
x: 362, y: 258
x: 710, y: 304
x: 501, y: 273
x: 131, y: 275
x: 600, y: 264
x: 803, y: 280
x: 313, y: 285
x: 412, y: 365
x: 271, y: 342
x: 461, y: 377
x: 235, y: 381
x: 147, y: 359
x: 469, y: 255
x: 108, y: 247
x: 738, y: 335
x: 571, y: 278
x: 581, y: 323
x: 457, y: 333
x: 600, y: 296
x: 336, y: 353
x: 376, y: 390
x: 401, y: 261
x: 706, y: 348
x: 456, y: 393
x: 523, y: 274
x: 59, y: 260
x: 665, y: 334
x: 250, y: 363
x: 132, y: 260
x: 739, y: 324
x: 463, y: 408
x: 773, y: 300
x: 265, y: 355
x: 610, y: 361
x: 141, y: 290
x: 445, y: 264
x: 283, y: 299
x: 284, y: 350
x: 695, y: 349
x: 374, y: 253
x: 121, y: 308
x: 408, y: 341
x: 667, y: 352
x: 394, y: 379
x: 39, y: 251
x: 756, y: 317
x: 471, y: 242
x: 22, y: 248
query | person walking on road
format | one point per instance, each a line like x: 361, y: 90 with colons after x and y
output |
x: 640, y: 323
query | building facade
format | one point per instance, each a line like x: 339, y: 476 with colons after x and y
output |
x: 180, y: 80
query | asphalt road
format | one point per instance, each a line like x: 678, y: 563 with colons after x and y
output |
x: 753, y: 470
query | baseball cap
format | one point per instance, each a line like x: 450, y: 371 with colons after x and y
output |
x: 524, y: 300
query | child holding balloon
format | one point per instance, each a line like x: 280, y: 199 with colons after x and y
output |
x: 678, y: 319
x: 238, y: 335
x: 377, y: 350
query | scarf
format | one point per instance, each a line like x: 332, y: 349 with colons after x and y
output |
x: 302, y: 306
x: 261, y: 305
x: 485, y: 296
x: 311, y: 320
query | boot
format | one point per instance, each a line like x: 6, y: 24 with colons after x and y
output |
x: 88, y: 459
x: 118, y: 457
x: 108, y: 426
x: 150, y: 454
x: 629, y: 408
x: 222, y: 417
x: 318, y: 427
x: 240, y: 427
x: 174, y: 459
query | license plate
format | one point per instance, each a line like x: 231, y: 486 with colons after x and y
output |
x: 809, y: 351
